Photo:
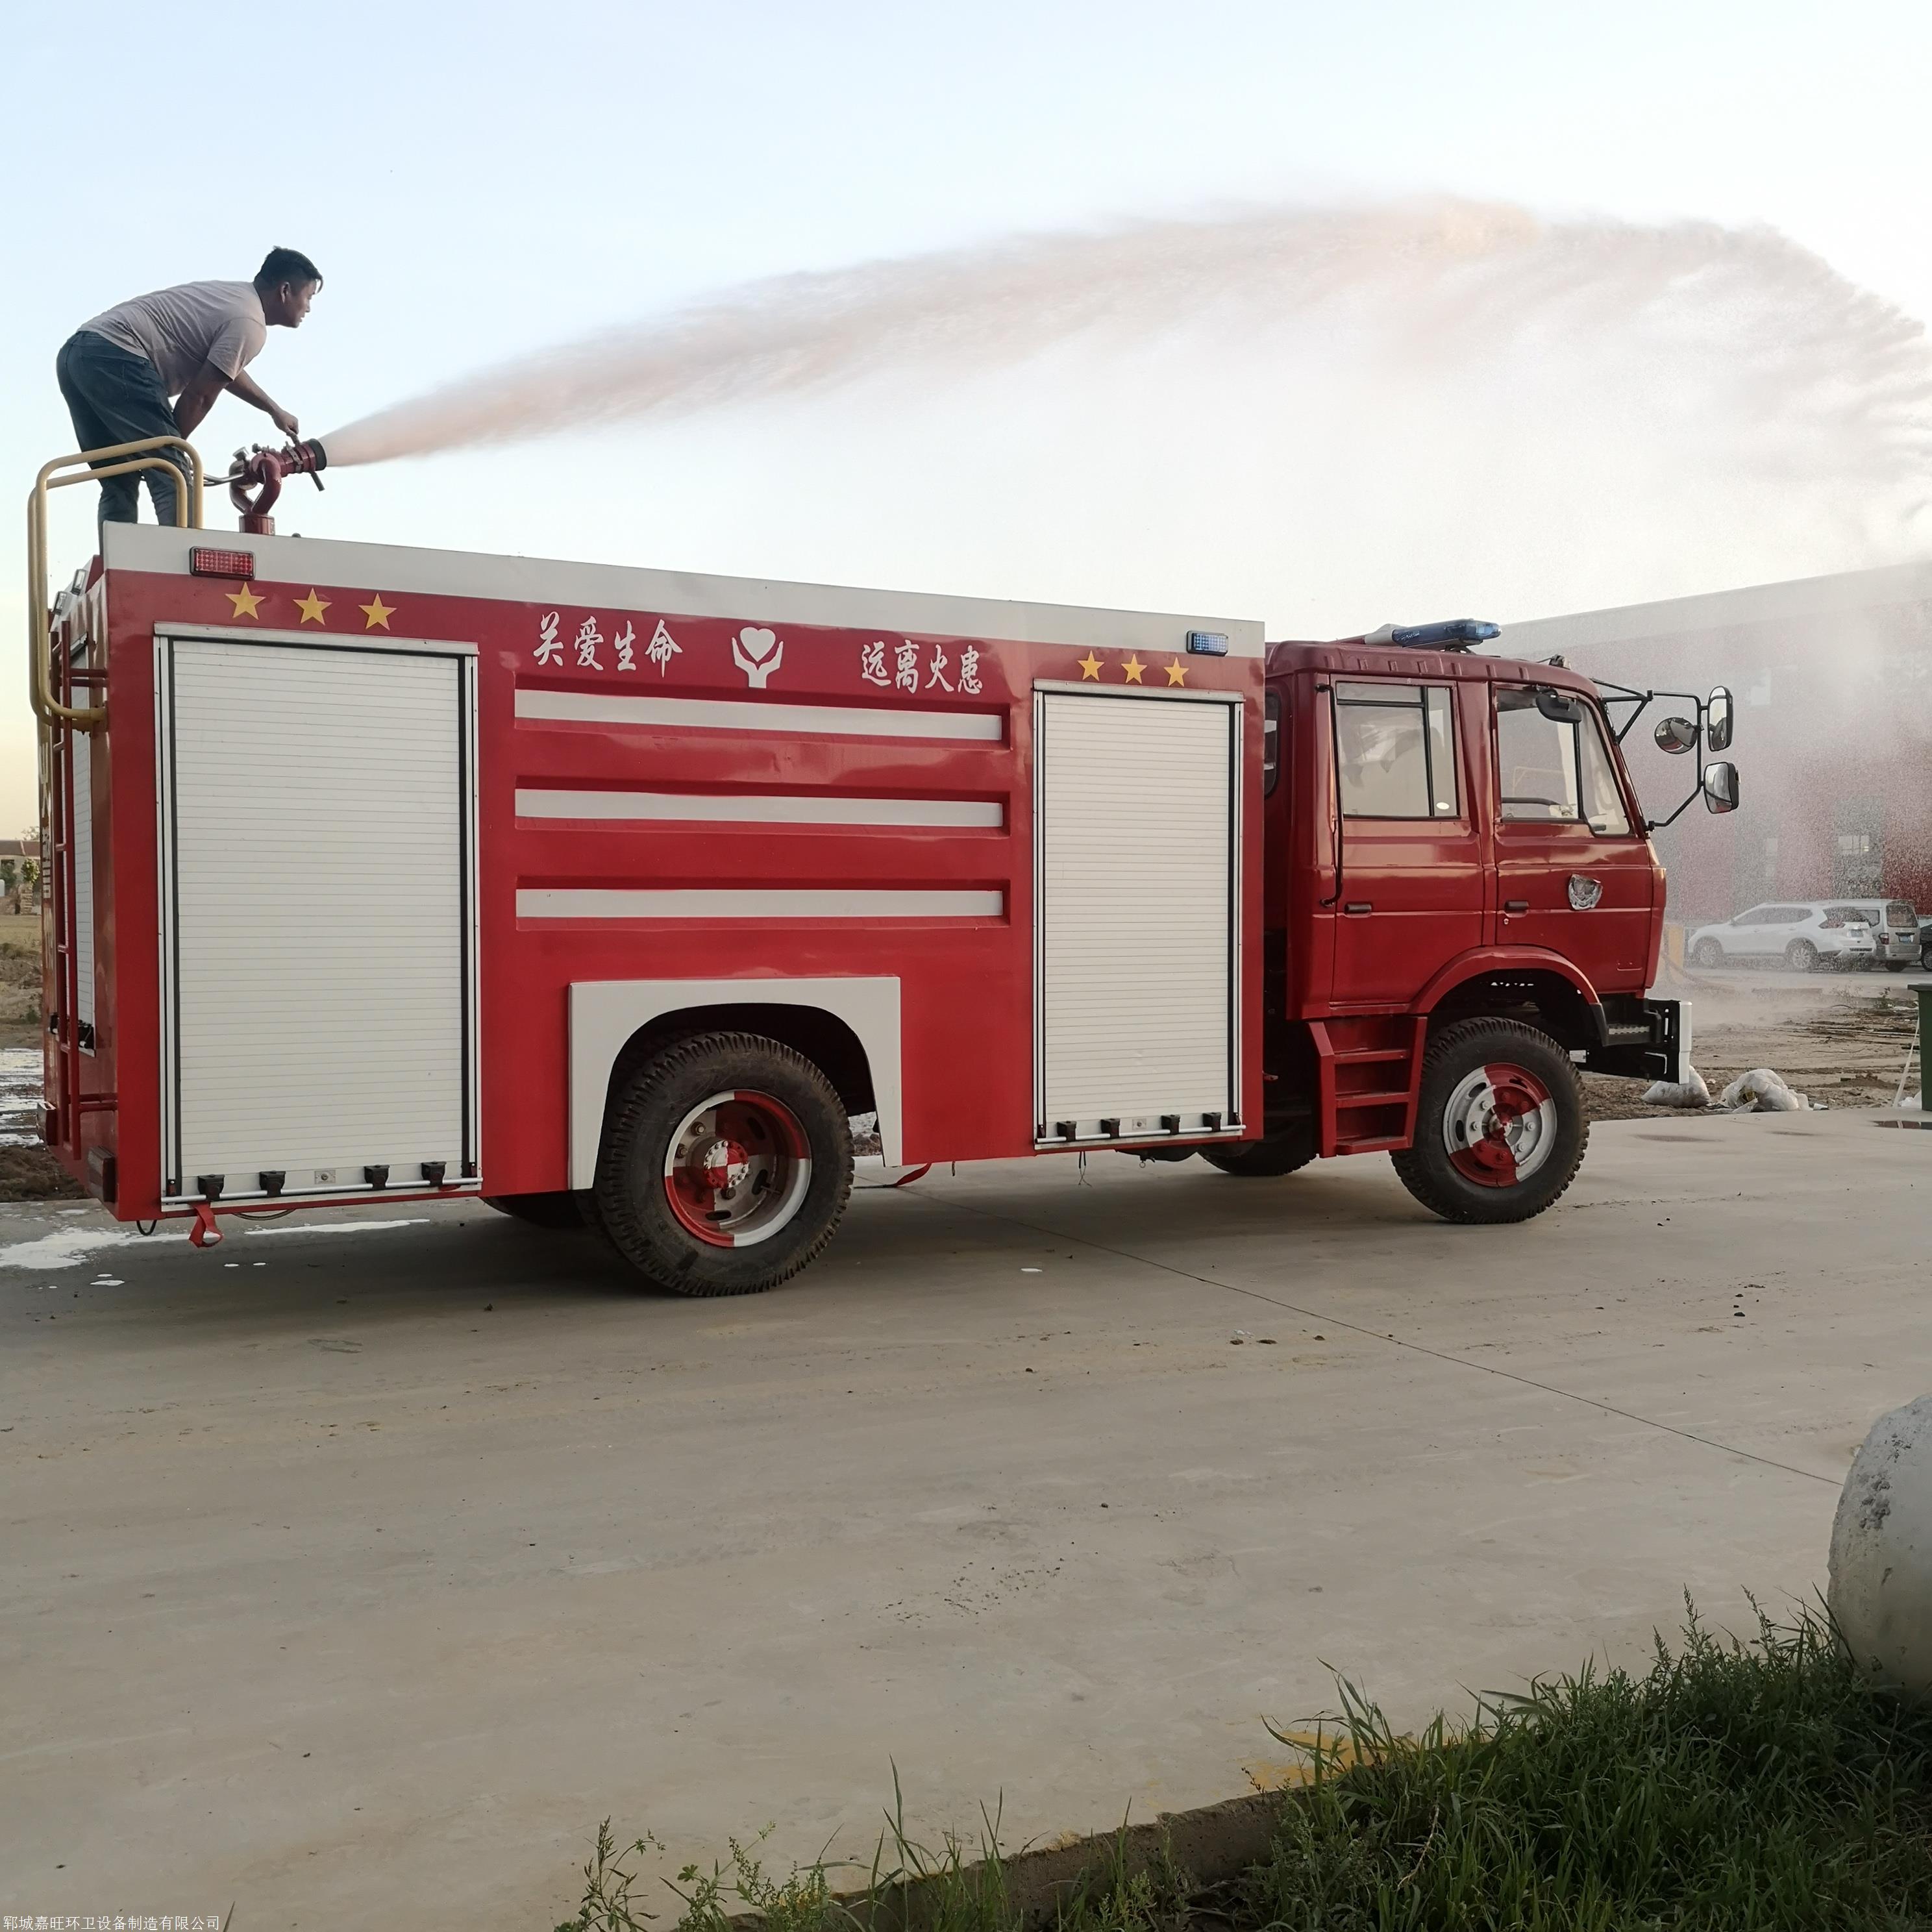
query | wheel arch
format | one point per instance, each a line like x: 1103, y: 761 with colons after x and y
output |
x: 848, y: 1027
x: 1515, y: 983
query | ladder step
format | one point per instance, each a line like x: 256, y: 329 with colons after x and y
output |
x: 1399, y: 1099
x: 1360, y: 1056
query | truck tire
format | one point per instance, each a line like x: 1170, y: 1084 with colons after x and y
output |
x: 1499, y: 1128
x: 1801, y: 956
x: 1276, y: 1153
x: 562, y: 1209
x: 726, y: 1164
x: 1707, y: 955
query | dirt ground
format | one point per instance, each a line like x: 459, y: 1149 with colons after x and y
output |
x: 20, y: 980
x: 27, y: 1173
x: 1837, y: 1038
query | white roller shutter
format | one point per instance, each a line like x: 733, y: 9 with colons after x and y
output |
x: 1137, y: 837
x: 81, y: 832
x: 318, y: 828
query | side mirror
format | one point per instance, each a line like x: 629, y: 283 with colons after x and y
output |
x: 1717, y: 719
x: 1721, y: 786
x: 1675, y: 735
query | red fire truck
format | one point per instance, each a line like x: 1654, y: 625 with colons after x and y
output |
x: 619, y: 895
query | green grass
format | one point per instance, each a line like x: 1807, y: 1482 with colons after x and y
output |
x: 1733, y: 1786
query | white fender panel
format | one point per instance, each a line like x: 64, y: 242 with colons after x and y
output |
x: 605, y: 1013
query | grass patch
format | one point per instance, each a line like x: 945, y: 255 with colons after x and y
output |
x: 1735, y: 1785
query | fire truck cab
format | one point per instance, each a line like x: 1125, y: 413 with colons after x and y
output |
x: 625, y: 898
x: 1463, y: 908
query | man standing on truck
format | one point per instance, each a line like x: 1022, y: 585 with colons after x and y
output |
x: 119, y: 371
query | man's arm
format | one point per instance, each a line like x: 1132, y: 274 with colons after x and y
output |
x: 196, y: 400
x: 240, y: 384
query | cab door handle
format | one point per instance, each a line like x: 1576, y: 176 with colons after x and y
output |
x: 1516, y: 905
x: 1359, y: 906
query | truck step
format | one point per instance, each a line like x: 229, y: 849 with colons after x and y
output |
x: 1399, y: 1098
x: 1360, y: 1056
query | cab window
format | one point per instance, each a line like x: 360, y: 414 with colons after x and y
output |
x: 1395, y: 749
x: 1555, y: 768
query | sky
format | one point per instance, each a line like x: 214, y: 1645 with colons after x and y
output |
x: 478, y: 190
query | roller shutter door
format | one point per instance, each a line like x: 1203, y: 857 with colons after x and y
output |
x: 319, y: 942
x: 81, y: 832
x: 1137, y: 836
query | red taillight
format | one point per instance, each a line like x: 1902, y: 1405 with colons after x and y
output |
x: 221, y: 563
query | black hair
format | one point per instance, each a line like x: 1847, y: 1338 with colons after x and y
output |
x: 286, y: 264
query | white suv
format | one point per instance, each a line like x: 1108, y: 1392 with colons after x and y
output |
x: 1803, y: 936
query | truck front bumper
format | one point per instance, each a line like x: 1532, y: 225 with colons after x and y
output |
x: 1643, y: 1039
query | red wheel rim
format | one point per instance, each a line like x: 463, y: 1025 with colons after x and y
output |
x: 737, y: 1169
x: 1499, y: 1125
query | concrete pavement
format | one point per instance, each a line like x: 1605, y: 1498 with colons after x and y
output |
x: 354, y: 1574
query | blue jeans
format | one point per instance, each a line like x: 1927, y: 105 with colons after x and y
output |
x: 115, y: 396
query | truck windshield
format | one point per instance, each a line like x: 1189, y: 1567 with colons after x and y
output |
x: 1548, y: 770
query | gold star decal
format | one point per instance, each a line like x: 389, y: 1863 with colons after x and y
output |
x: 1133, y: 668
x: 247, y: 604
x: 311, y: 607
x: 1090, y: 665
x: 377, y: 613
x: 1177, y: 672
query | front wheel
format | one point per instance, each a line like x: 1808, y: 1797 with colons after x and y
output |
x: 1499, y: 1127
x: 726, y: 1164
x: 1708, y: 954
x: 1801, y: 956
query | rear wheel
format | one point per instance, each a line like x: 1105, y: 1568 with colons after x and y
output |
x: 1801, y: 956
x: 1279, y: 1152
x: 1499, y: 1128
x: 1708, y: 954
x: 726, y: 1165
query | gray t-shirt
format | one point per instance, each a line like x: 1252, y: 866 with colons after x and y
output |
x: 180, y: 329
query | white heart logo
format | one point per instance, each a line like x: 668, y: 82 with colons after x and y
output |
x: 757, y: 653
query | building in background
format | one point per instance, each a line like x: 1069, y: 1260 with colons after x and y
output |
x: 1833, y: 679
x: 20, y: 873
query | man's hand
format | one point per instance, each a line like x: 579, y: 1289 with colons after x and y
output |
x: 283, y: 419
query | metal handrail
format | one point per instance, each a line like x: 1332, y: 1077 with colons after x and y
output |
x: 135, y: 456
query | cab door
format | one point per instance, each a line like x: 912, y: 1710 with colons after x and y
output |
x: 1410, y: 893
x: 1575, y: 873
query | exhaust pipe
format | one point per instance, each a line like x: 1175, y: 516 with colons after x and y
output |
x: 255, y: 479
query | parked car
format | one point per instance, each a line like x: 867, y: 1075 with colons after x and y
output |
x: 1894, y: 925
x: 1803, y: 935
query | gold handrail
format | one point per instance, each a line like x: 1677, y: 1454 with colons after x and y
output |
x: 135, y: 456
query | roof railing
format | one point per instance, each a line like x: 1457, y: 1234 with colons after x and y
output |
x: 84, y: 466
